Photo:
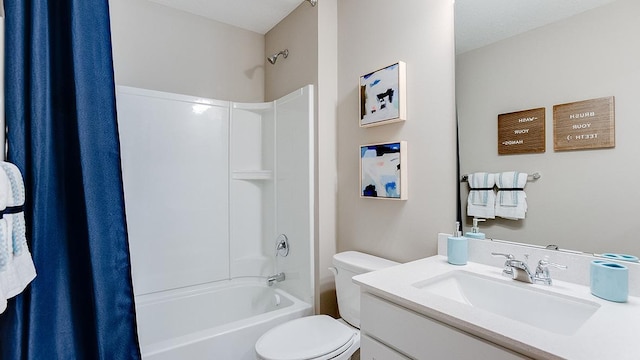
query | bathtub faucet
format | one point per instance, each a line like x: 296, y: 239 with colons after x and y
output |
x: 275, y: 278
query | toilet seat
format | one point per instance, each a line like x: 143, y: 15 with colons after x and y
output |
x: 318, y: 337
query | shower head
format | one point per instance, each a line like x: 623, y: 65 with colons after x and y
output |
x: 313, y: 2
x: 272, y: 59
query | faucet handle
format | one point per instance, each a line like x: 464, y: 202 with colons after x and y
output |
x: 508, y: 270
x: 544, y: 264
x: 508, y: 256
x: 542, y: 271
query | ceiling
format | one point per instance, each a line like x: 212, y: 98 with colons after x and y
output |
x: 478, y: 22
x: 256, y: 15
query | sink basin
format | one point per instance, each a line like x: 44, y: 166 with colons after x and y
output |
x: 521, y: 302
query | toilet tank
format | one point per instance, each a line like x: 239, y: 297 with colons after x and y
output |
x: 347, y: 265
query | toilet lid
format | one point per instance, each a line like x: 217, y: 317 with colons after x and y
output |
x: 305, y: 338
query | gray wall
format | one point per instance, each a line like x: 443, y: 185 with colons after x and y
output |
x: 585, y: 200
x: 159, y: 48
x: 373, y: 34
x: 298, y: 33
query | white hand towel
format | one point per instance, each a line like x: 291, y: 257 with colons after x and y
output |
x: 6, y: 248
x: 20, y: 270
x: 3, y: 302
x: 481, y: 202
x: 511, y: 201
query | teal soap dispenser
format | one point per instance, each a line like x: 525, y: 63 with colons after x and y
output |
x: 475, y: 230
x: 457, y: 250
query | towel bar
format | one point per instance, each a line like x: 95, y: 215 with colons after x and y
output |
x: 535, y: 176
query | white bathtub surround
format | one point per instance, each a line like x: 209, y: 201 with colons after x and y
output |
x: 209, y: 185
x: 214, y: 321
x: 607, y: 332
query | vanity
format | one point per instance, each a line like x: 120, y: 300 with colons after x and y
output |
x: 430, y: 309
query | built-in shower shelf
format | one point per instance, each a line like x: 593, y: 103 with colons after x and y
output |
x: 255, y: 107
x: 252, y: 175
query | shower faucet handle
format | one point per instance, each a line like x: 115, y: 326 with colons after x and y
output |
x: 282, y: 245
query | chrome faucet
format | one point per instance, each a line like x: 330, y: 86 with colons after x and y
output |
x: 519, y: 270
x: 275, y: 278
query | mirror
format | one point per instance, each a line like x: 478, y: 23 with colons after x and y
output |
x: 585, y: 200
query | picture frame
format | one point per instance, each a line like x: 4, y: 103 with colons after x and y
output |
x: 383, y: 171
x: 585, y: 125
x: 382, y: 95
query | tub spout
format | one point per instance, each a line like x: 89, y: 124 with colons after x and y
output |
x: 275, y: 278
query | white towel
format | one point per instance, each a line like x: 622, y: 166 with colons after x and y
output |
x: 6, y: 250
x: 481, y: 203
x: 18, y: 270
x: 511, y: 203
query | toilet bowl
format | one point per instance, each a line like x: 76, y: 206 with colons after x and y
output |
x: 321, y: 337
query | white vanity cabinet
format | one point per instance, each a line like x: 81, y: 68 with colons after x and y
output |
x: 371, y: 349
x: 390, y: 331
x: 430, y: 309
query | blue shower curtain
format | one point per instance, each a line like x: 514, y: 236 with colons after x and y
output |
x: 62, y: 134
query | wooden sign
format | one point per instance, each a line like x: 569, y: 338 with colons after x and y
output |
x: 588, y: 124
x: 521, y: 132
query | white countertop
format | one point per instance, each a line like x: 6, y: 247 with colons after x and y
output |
x: 613, y: 332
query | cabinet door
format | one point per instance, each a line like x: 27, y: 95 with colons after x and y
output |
x: 373, y: 350
x: 421, y: 337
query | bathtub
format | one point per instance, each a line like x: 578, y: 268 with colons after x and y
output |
x: 217, y: 321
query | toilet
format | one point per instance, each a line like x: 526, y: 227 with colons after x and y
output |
x: 321, y: 337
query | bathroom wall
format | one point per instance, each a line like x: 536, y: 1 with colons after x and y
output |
x: 327, y: 159
x: 310, y: 34
x: 298, y: 32
x: 159, y: 48
x: 373, y: 34
x: 586, y: 200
